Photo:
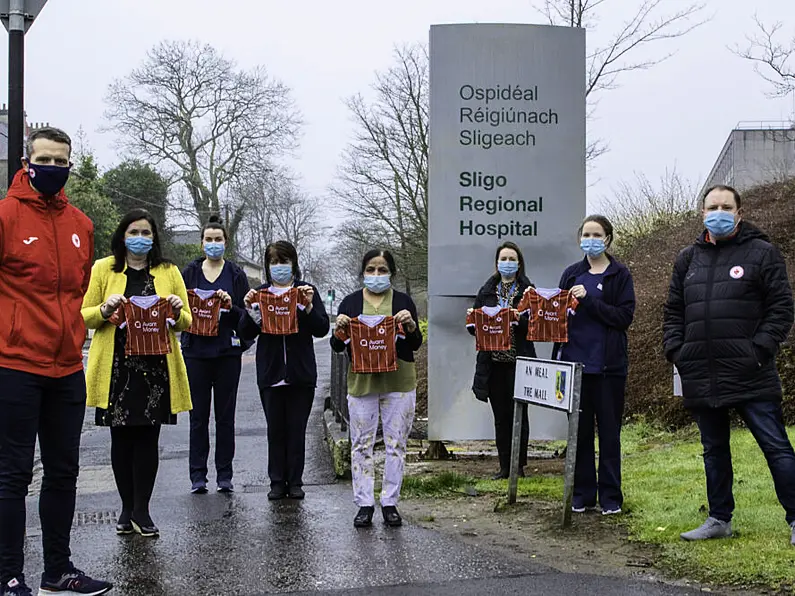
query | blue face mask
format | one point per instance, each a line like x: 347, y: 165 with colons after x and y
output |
x: 593, y: 247
x: 138, y: 245
x: 720, y: 223
x: 377, y: 284
x: 214, y: 250
x: 282, y: 274
x: 508, y: 268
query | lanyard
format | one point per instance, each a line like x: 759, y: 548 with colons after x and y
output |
x: 505, y: 302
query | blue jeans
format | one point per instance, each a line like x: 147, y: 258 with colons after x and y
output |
x: 53, y: 409
x: 765, y: 421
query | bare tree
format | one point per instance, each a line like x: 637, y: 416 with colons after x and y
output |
x: 278, y: 210
x: 639, y: 207
x: 191, y: 111
x: 646, y: 23
x: 384, y: 176
x: 773, y: 59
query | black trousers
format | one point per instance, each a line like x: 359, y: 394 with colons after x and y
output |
x: 135, y: 457
x: 287, y: 410
x: 766, y: 422
x: 215, y: 379
x: 501, y: 383
x: 53, y: 409
x: 602, y: 401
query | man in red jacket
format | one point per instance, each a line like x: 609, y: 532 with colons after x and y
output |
x: 46, y: 249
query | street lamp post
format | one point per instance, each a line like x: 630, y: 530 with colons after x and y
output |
x: 17, y: 16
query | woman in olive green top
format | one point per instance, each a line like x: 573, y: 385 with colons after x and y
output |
x: 392, y: 395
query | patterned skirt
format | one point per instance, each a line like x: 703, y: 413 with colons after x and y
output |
x: 139, y: 390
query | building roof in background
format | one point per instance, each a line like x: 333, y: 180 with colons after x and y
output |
x: 186, y: 237
x: 3, y: 141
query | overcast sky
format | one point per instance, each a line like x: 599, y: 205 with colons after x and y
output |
x: 678, y: 114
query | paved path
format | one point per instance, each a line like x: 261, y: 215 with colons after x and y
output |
x: 244, y: 544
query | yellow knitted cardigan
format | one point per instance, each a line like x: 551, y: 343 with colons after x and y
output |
x: 106, y: 282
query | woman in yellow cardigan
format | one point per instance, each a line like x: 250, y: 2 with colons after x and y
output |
x: 135, y: 386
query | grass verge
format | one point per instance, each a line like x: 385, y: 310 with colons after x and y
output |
x: 545, y: 487
x: 664, y: 484
x: 666, y: 495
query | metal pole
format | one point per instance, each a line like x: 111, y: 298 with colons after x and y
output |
x: 571, y: 446
x: 516, y: 440
x: 16, y: 86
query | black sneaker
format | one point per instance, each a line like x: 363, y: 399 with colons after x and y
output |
x: 225, y: 486
x: 15, y: 587
x: 74, y: 583
x: 296, y: 492
x: 199, y: 488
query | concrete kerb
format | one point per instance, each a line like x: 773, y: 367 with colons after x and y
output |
x: 339, y: 444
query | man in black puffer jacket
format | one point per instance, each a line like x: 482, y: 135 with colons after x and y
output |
x: 729, y: 307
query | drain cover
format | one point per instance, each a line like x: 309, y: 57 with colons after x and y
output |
x: 94, y: 518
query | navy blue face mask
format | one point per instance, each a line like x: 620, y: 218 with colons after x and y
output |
x: 48, y: 180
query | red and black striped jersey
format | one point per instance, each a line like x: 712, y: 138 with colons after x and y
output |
x: 206, y: 307
x: 147, y: 319
x: 372, y: 341
x: 279, y: 308
x: 492, y: 326
x: 547, y: 311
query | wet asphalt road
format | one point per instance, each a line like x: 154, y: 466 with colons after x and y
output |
x: 244, y: 544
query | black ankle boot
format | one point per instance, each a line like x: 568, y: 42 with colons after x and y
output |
x: 364, y: 518
x: 501, y: 475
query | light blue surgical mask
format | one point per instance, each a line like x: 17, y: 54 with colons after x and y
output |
x: 720, y: 223
x: 377, y: 284
x: 214, y: 250
x: 138, y: 245
x: 282, y: 273
x: 593, y: 247
x: 508, y: 268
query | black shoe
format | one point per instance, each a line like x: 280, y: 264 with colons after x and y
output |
x: 16, y: 587
x: 364, y: 519
x: 501, y: 475
x: 296, y: 492
x: 123, y: 526
x: 74, y: 582
x: 391, y: 516
x: 277, y: 492
x: 147, y: 530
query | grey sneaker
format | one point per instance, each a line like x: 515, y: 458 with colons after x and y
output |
x: 712, y: 528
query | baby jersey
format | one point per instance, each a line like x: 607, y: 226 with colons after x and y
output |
x: 548, y: 310
x: 279, y: 308
x: 147, y: 319
x: 492, y: 326
x: 372, y: 341
x: 205, y: 306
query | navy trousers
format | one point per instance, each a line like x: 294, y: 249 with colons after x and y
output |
x: 213, y: 379
x: 602, y: 403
